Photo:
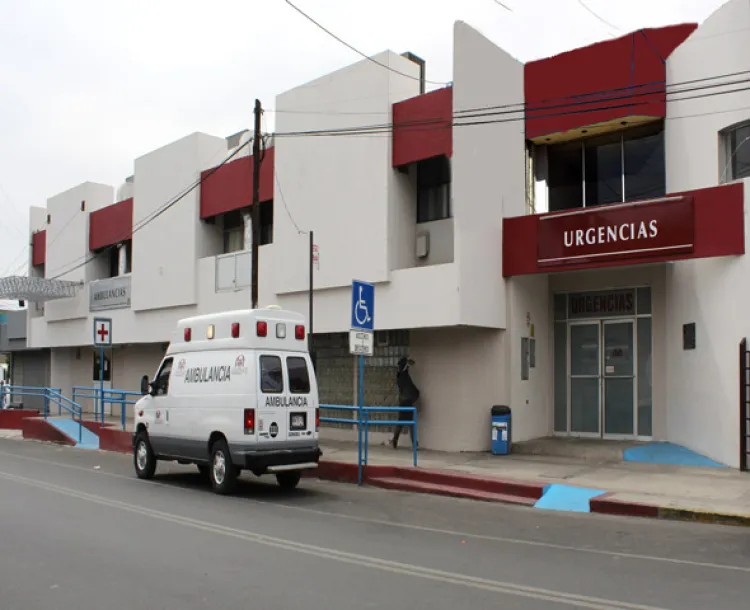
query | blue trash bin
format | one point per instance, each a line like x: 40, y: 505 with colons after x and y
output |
x: 501, y: 431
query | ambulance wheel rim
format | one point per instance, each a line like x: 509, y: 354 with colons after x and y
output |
x: 142, y: 456
x: 220, y: 467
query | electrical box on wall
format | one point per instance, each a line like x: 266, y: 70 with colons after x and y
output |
x: 525, y: 358
x: 688, y: 336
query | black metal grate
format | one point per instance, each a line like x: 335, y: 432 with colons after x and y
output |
x: 744, y: 409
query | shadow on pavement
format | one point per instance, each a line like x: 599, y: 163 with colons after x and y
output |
x: 249, y: 486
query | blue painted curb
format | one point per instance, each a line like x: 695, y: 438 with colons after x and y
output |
x: 567, y: 498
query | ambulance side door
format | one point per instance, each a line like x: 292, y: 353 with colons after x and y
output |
x: 159, y: 433
x: 272, y: 424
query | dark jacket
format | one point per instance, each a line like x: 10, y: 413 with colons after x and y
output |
x: 408, y: 393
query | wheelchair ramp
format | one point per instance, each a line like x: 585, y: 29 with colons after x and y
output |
x: 71, y: 428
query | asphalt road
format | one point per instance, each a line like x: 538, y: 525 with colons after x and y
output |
x: 77, y: 530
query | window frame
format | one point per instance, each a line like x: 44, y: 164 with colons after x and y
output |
x: 289, y: 375
x: 729, y: 149
x: 261, y: 358
x: 623, y: 139
x: 169, y: 361
x: 438, y: 182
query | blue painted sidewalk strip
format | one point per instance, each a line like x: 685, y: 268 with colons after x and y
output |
x: 670, y: 454
x: 69, y: 427
x: 568, y: 498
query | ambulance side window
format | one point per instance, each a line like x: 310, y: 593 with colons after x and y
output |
x: 299, y: 378
x: 271, y: 375
x: 161, y: 383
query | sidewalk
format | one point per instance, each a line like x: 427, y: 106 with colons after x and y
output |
x: 656, y: 490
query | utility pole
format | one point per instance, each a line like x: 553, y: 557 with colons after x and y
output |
x: 255, y: 210
x: 310, y: 296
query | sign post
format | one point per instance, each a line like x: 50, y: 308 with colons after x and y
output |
x: 102, y: 340
x: 361, y: 344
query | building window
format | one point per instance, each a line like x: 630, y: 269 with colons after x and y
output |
x: 612, y: 168
x: 266, y: 222
x: 736, y: 158
x: 433, y: 189
x: 234, y: 232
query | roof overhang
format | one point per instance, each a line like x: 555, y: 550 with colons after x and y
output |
x: 37, y: 289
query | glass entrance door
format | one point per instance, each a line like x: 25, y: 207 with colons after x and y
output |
x: 602, y: 379
x: 619, y: 378
x: 585, y: 378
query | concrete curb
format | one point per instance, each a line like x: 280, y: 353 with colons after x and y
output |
x: 436, y: 482
x: 607, y: 505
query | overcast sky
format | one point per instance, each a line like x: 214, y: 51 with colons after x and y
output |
x: 88, y: 85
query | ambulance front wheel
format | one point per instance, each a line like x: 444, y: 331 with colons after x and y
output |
x: 143, y: 457
x: 289, y: 479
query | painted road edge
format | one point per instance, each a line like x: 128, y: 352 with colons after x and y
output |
x: 345, y: 472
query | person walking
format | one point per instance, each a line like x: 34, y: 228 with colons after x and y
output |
x: 408, y: 395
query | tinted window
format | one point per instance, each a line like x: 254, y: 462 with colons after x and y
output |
x: 161, y: 383
x: 565, y: 167
x: 603, y: 169
x: 271, y: 376
x: 645, y: 176
x: 299, y: 378
x: 739, y: 152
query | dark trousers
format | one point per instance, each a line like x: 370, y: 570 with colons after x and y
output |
x: 403, y: 416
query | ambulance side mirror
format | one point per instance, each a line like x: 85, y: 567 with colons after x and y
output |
x: 145, y: 385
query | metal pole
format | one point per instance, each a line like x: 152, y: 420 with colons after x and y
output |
x: 101, y: 381
x: 255, y: 209
x: 310, y: 296
x: 743, y: 405
x: 414, y: 438
x: 361, y: 401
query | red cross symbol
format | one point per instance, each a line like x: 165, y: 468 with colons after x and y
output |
x: 102, y: 332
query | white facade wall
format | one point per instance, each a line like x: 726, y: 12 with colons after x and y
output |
x: 340, y: 187
x: 484, y: 76
x: 702, y: 384
x: 165, y: 277
x: 719, y: 46
x: 467, y: 322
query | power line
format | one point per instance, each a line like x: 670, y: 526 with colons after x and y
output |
x: 357, y: 51
x: 507, y: 8
x: 598, y: 17
x: 528, y: 114
x: 154, y: 215
x: 286, y: 207
x: 563, y: 101
x: 386, y: 129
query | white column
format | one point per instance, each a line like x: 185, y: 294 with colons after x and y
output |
x: 122, y: 259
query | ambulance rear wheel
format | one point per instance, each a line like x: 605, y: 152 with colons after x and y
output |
x: 143, y: 457
x: 289, y: 479
x: 222, y: 472
x: 203, y: 470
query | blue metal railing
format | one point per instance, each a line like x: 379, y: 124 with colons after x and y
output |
x: 361, y: 418
x: 50, y: 396
x: 123, y: 398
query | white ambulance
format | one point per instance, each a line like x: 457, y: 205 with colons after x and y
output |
x: 236, y: 390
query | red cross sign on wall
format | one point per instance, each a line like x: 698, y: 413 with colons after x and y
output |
x: 102, y: 331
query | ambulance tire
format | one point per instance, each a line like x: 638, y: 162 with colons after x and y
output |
x: 144, y: 459
x: 222, y: 472
x: 289, y: 479
x: 203, y: 470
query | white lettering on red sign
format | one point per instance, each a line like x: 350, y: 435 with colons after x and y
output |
x: 630, y: 231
